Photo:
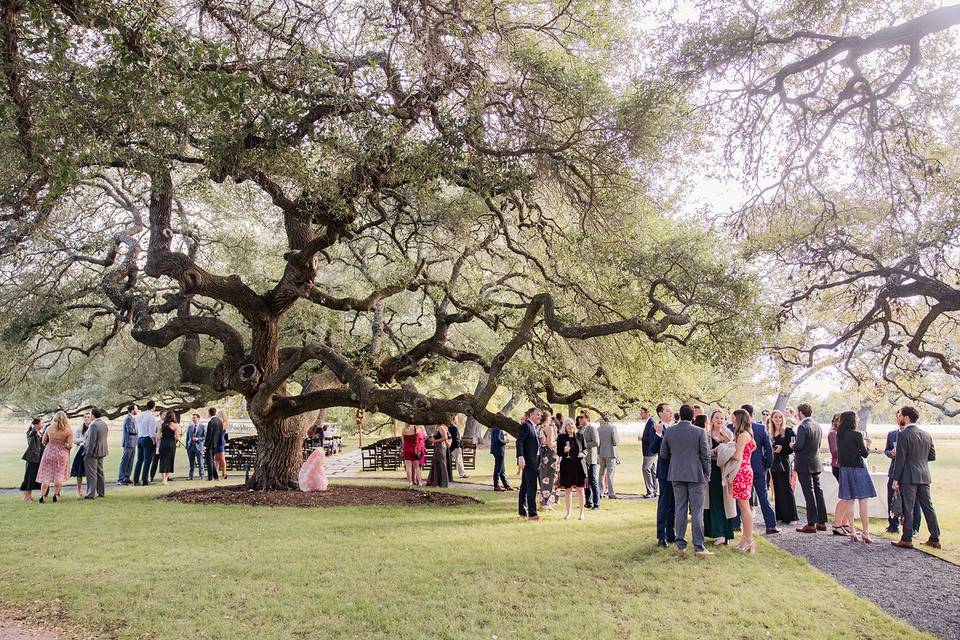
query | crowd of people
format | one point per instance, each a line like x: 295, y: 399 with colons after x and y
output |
x: 708, y: 470
x: 149, y: 446
x: 713, y: 470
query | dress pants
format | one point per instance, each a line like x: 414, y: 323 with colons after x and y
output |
x: 650, y: 475
x: 689, y: 498
x: 145, y: 449
x: 456, y: 457
x: 916, y: 497
x: 813, y: 497
x: 195, y: 456
x: 529, y: 486
x: 499, y: 472
x: 211, y: 467
x: 126, y: 464
x: 593, y: 487
x: 608, y: 468
x: 760, y: 488
x: 666, y: 513
x: 93, y: 468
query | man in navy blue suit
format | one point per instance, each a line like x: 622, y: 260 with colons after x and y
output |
x: 666, y: 507
x: 891, y: 452
x: 498, y: 448
x: 528, y: 459
x: 760, y: 461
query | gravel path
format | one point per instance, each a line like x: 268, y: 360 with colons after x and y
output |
x: 914, y: 586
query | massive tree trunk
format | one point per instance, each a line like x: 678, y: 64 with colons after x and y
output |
x: 782, y: 398
x: 279, y: 451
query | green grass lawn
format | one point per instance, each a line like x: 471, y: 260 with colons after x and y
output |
x: 183, y: 571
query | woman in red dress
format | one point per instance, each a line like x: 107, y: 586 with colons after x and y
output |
x: 743, y: 482
x: 411, y: 455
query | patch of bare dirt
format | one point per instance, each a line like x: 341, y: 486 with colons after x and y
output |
x: 334, y: 496
x: 19, y: 625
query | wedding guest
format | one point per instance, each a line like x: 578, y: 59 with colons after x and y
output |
x: 592, y: 439
x: 456, y: 449
x: 609, y: 438
x: 761, y: 460
x: 146, y: 444
x: 743, y: 484
x: 94, y: 453
x: 80, y: 442
x: 700, y: 421
x: 911, y: 477
x: 528, y: 460
x: 891, y: 452
x: 128, y: 445
x: 31, y: 458
x: 666, y: 512
x: 549, y: 465
x: 832, y: 444
x: 212, y: 438
x: 649, y: 455
x: 439, y: 471
x: 782, y: 437
x: 220, y: 453
x: 856, y: 486
x: 717, y: 517
x: 498, y: 449
x: 806, y: 460
x: 195, y: 436
x: 686, y: 448
x: 573, y: 468
x: 57, y: 440
x: 169, y: 437
x: 410, y: 455
x: 421, y: 450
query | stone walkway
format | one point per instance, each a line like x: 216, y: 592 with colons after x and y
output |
x: 914, y: 586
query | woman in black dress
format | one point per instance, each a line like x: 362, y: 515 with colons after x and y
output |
x: 32, y: 457
x: 439, y: 470
x: 169, y: 436
x: 782, y: 438
x: 573, y: 469
x: 716, y: 524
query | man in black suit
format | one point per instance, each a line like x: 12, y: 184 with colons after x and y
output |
x: 806, y: 461
x: 911, y: 476
x: 211, y: 442
x: 528, y: 459
x: 666, y: 508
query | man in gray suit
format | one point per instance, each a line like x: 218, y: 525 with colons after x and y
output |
x: 592, y: 441
x: 685, y: 446
x: 911, y: 477
x: 128, y: 443
x: 95, y: 452
x: 806, y: 462
x: 607, y: 454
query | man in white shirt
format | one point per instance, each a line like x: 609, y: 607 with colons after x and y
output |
x: 146, y: 444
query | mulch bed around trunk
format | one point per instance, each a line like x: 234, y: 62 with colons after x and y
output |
x: 334, y: 496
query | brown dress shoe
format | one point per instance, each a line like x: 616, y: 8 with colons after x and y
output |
x: 821, y: 527
x: 533, y: 518
x: 932, y: 543
x: 499, y: 489
x: 903, y: 544
x: 807, y: 528
x: 773, y: 531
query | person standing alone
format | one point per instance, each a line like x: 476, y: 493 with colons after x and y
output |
x: 128, y: 443
x: 911, y: 477
x: 94, y: 454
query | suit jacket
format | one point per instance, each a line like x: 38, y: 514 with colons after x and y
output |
x: 806, y: 450
x: 129, y: 432
x: 592, y: 439
x: 198, y: 431
x: 890, y: 448
x: 609, y: 439
x: 96, y: 439
x: 685, y: 445
x: 211, y: 439
x: 914, y: 450
x: 528, y: 445
x: 663, y: 464
x: 498, y: 442
x: 762, y: 457
x: 646, y: 440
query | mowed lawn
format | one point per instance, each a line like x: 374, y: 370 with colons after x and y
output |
x: 132, y: 566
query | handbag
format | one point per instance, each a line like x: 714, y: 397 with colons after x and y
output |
x: 896, y: 505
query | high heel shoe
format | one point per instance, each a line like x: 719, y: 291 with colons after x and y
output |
x: 854, y: 537
x: 56, y: 497
x: 566, y: 516
x: 41, y: 499
x: 866, y: 538
x: 582, y: 517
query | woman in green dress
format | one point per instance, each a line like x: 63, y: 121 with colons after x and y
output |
x: 715, y: 521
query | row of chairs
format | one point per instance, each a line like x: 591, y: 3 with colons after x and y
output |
x: 385, y: 455
x: 241, y: 452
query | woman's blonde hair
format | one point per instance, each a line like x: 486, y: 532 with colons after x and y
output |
x: 772, y: 428
x: 60, y: 423
x: 569, y: 421
x: 222, y: 414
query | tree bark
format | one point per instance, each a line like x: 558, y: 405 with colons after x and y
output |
x: 279, y: 451
x: 782, y: 398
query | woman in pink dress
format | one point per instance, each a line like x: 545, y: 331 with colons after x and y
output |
x: 53, y: 465
x: 743, y: 482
